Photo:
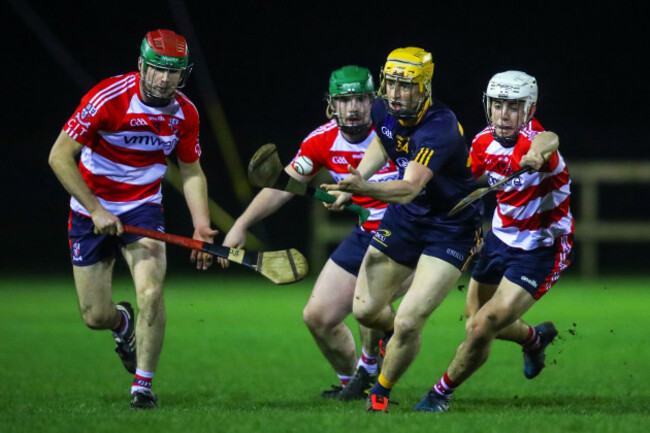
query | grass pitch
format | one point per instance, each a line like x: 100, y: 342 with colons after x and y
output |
x: 237, y: 358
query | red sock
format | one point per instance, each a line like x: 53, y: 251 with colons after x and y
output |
x: 141, y: 381
x: 532, y: 342
x: 445, y: 386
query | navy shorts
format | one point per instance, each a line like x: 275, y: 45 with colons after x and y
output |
x: 405, y: 241
x: 349, y: 254
x: 535, y: 270
x: 87, y: 248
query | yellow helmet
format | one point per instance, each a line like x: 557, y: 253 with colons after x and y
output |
x: 410, y: 65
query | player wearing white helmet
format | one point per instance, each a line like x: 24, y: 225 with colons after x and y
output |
x: 531, y: 239
x: 510, y: 101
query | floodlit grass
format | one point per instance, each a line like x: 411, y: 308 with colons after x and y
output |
x: 237, y: 358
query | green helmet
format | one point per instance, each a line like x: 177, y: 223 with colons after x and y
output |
x: 163, y: 50
x: 350, y: 95
x: 351, y: 79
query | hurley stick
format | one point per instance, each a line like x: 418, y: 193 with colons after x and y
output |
x: 266, y: 171
x: 281, y: 267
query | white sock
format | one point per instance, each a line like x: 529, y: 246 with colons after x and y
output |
x: 141, y: 381
x: 344, y: 379
x: 368, y: 362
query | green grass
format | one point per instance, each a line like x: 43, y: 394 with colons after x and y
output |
x: 237, y: 358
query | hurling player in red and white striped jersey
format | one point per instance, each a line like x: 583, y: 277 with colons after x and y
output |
x: 531, y: 238
x: 333, y: 146
x: 123, y: 130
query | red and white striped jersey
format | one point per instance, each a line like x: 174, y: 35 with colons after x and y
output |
x: 533, y: 209
x: 126, y: 142
x: 327, y: 147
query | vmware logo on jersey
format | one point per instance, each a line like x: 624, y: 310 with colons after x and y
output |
x: 152, y: 140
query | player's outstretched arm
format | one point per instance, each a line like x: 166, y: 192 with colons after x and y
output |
x: 400, y: 191
x: 265, y: 203
x: 195, y: 189
x: 64, y: 165
x: 374, y: 159
x: 541, y: 149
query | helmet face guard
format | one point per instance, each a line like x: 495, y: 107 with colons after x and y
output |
x: 351, y: 111
x: 406, y: 68
x: 510, y: 90
x: 164, y: 65
x: 350, y: 96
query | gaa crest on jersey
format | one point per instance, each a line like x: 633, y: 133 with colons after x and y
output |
x: 88, y: 111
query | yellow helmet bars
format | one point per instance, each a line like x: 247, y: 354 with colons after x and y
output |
x: 411, y: 64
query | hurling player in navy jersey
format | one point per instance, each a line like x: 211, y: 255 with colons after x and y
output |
x: 424, y: 139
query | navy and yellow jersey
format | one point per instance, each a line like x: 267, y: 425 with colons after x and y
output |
x: 437, y: 142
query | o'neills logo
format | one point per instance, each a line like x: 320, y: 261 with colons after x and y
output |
x: 455, y: 254
x: 529, y: 281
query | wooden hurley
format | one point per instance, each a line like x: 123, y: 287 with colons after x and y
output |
x: 281, y: 267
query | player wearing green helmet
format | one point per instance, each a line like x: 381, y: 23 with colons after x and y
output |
x: 335, y: 145
x: 351, y: 92
x: 164, y: 66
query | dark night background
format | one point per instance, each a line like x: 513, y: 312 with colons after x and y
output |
x: 270, y: 63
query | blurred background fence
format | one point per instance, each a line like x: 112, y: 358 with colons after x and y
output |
x: 608, y: 204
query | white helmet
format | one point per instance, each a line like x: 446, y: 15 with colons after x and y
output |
x: 512, y: 85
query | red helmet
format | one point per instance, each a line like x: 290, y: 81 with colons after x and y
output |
x: 165, y: 51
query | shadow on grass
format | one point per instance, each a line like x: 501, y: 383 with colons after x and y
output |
x: 215, y: 401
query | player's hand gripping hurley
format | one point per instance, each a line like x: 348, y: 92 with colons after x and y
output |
x: 476, y: 194
x: 265, y: 170
x: 281, y: 267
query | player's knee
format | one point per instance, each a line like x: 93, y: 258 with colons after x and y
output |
x: 469, y: 323
x: 364, y: 313
x: 406, y: 329
x: 98, y: 318
x: 481, y: 330
x: 150, y: 304
x: 314, y: 319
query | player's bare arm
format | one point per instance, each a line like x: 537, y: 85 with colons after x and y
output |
x: 374, y: 159
x: 541, y: 148
x: 62, y: 159
x: 265, y: 203
x: 402, y: 191
x: 195, y: 188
